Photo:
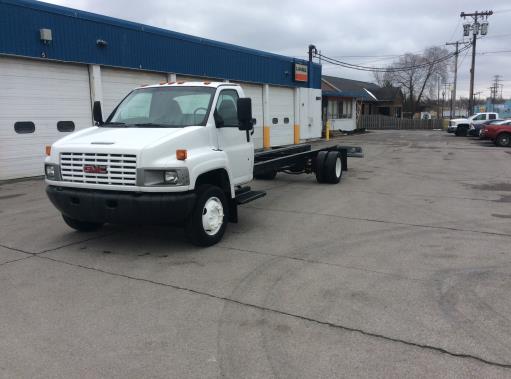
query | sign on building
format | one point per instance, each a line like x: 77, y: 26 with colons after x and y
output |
x: 300, y: 72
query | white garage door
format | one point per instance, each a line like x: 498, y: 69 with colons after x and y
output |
x: 281, y: 116
x: 117, y: 83
x: 255, y: 92
x: 37, y: 99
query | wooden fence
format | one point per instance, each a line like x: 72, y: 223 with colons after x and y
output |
x: 375, y: 121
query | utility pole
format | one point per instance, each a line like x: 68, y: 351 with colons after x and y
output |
x: 446, y: 89
x: 476, y: 28
x: 453, y: 93
x: 438, y: 98
x: 494, y: 90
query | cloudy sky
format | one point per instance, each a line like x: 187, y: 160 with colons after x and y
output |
x: 356, y: 31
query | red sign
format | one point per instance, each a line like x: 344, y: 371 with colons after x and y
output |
x: 94, y: 169
x: 300, y: 72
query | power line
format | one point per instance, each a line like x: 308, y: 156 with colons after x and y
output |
x: 389, y: 69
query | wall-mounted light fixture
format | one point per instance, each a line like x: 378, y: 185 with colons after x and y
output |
x: 45, y: 36
x: 101, y: 43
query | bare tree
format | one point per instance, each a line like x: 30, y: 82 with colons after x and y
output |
x: 419, y: 80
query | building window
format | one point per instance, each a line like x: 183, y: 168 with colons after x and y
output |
x: 66, y: 126
x: 275, y: 120
x: 347, y: 109
x: 286, y: 120
x: 24, y: 127
x: 340, y: 108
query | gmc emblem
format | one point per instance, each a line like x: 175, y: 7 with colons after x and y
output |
x: 94, y: 169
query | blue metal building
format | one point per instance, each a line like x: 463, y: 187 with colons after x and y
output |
x: 75, y: 36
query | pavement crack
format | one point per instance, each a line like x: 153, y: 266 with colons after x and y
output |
x: 75, y: 243
x: 15, y: 249
x: 16, y: 260
x: 330, y: 264
x: 425, y: 226
x: 360, y: 331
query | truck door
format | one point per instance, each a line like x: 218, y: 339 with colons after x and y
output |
x: 232, y: 140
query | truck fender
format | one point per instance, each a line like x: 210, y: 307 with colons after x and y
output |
x: 213, y: 169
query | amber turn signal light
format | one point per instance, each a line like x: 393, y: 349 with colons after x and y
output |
x: 181, y: 155
x: 47, y: 150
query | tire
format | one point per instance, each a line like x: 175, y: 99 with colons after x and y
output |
x: 204, y: 230
x: 268, y: 175
x: 503, y: 140
x: 319, y: 166
x: 461, y: 131
x: 82, y: 226
x: 333, y: 167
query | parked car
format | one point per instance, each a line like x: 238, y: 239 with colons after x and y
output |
x: 499, y: 133
x: 460, y: 126
x: 475, y: 129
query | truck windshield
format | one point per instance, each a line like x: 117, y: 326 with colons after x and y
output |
x: 171, y: 107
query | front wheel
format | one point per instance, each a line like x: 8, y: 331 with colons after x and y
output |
x: 503, y: 140
x: 207, y: 223
x: 81, y: 226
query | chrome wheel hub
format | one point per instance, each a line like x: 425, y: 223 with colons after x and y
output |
x: 212, y: 216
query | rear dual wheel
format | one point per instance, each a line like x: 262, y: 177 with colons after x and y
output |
x: 328, y: 167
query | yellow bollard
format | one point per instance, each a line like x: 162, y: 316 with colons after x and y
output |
x: 297, y: 134
x: 266, y: 137
x: 327, y: 130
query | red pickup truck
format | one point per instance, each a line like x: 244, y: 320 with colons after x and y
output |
x: 500, y: 133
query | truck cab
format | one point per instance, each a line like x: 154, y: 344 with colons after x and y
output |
x: 461, y: 126
x: 170, y: 153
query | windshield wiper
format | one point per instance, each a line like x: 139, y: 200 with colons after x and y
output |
x: 123, y: 124
x: 151, y: 125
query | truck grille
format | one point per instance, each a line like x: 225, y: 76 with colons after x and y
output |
x: 96, y: 168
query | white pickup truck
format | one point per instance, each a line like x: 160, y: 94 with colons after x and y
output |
x: 174, y: 153
x: 460, y: 126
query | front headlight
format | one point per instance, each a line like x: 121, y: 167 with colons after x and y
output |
x: 52, y: 171
x: 170, y: 177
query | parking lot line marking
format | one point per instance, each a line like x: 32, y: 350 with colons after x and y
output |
x: 436, y: 349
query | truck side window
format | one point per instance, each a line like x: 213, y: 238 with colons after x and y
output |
x: 226, y: 107
x: 493, y: 116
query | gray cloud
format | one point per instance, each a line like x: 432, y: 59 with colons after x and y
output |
x: 369, y: 29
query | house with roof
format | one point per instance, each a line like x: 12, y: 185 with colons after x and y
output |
x: 344, y: 100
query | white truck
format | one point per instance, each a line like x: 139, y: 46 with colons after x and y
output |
x: 460, y: 126
x: 175, y: 153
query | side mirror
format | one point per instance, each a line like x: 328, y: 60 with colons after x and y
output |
x: 245, y: 113
x: 96, y: 113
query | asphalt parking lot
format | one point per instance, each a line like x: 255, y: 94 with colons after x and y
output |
x: 404, y: 269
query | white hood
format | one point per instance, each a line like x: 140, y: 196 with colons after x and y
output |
x: 128, y: 138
